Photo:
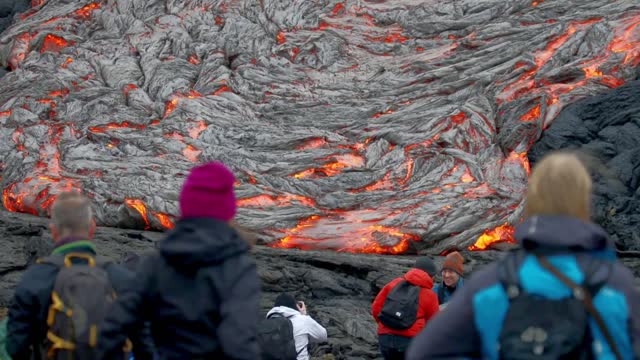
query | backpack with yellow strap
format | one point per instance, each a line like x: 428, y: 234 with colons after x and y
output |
x: 81, y: 297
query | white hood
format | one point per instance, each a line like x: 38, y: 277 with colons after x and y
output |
x: 284, y: 310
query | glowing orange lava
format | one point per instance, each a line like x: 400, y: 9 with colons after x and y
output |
x: 164, y: 219
x: 264, y: 201
x: 502, y: 233
x: 339, y: 163
x: 85, y: 11
x: 467, y: 177
x: 141, y: 208
x: 314, y: 143
x: 347, y: 231
x: 170, y: 105
x: 59, y: 93
x: 123, y: 125
x: 191, y: 153
x: 223, y: 88
x: 199, y: 126
x: 522, y: 159
x: 532, y: 114
x: 53, y: 43
x: 193, y: 58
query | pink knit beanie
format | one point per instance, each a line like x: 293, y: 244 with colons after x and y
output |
x: 208, y: 192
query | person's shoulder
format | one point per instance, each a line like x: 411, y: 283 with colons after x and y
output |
x: 118, y: 271
x: 482, y: 278
x: 37, y: 276
x: 622, y: 278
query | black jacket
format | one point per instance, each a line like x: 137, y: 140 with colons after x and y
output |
x: 26, y: 326
x: 201, y: 294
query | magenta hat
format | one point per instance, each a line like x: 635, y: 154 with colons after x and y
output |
x: 208, y: 192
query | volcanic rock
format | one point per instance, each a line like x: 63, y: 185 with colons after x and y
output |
x: 338, y: 288
x: 365, y: 126
x: 605, y: 129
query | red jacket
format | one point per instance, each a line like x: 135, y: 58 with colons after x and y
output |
x: 427, y: 307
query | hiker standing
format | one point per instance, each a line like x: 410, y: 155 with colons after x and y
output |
x: 200, y: 292
x: 452, y: 277
x: 397, y: 322
x: 563, y: 295
x: 288, y: 329
x: 70, y: 289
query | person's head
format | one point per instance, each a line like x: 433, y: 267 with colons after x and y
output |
x: 452, y: 269
x: 427, y: 265
x: 71, y: 216
x: 208, y: 193
x: 287, y: 300
x: 559, y: 185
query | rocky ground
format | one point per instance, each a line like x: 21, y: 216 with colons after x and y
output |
x: 338, y: 287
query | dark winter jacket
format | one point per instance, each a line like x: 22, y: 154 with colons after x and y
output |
x: 471, y: 323
x: 445, y: 293
x: 427, y: 306
x: 200, y: 293
x: 27, y: 328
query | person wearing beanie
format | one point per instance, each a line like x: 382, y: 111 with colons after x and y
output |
x: 305, y: 328
x: 394, y: 342
x: 452, y: 277
x: 200, y: 291
x: 564, y: 272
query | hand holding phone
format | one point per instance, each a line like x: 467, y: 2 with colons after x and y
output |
x: 302, y: 308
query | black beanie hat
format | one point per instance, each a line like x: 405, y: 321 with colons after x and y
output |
x: 286, y: 300
x: 427, y: 265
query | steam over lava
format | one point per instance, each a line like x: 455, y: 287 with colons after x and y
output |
x: 352, y: 125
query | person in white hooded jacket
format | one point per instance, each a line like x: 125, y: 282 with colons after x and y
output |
x: 305, y: 329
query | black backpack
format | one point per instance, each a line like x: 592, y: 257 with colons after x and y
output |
x: 400, y: 309
x: 81, y: 297
x: 536, y: 327
x: 275, y: 337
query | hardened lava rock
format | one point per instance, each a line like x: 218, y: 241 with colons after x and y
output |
x: 605, y: 131
x: 385, y: 127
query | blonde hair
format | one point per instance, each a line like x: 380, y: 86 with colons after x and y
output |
x: 559, y: 185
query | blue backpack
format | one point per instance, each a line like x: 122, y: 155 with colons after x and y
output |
x: 559, y: 329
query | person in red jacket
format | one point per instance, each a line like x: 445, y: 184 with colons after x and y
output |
x: 393, y: 343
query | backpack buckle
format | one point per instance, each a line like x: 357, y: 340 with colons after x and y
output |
x: 513, y: 291
x: 579, y: 293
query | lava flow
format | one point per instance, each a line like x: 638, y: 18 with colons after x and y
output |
x: 362, y: 126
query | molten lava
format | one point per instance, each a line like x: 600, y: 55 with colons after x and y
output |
x: 85, y: 11
x: 53, y: 43
x: 265, y: 201
x: 333, y: 168
x: 110, y: 126
x: 191, y: 153
x: 532, y: 115
x: 141, y: 208
x: 502, y: 233
x: 381, y: 121
x: 351, y: 231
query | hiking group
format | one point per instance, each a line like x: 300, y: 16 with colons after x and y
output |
x: 561, y: 295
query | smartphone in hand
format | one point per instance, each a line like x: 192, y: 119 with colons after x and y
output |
x: 302, y: 308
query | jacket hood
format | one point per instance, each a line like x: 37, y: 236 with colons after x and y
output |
x: 198, y: 242
x: 284, y: 310
x: 419, y: 278
x: 562, y: 233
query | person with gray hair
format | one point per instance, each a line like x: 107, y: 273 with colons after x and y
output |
x: 41, y: 301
